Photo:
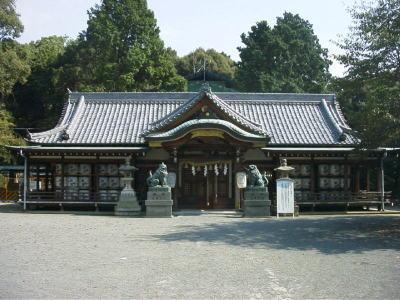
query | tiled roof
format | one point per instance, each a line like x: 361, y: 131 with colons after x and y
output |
x: 122, y: 118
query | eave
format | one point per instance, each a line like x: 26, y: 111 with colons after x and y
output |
x: 69, y: 150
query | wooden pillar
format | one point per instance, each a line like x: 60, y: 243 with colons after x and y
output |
x: 178, y: 170
x: 178, y: 185
x: 62, y: 177
x: 346, y: 174
x: 357, y: 180
x: 215, y: 201
x: 26, y: 178
x: 37, y: 177
x: 95, y: 179
x: 382, y: 180
x: 230, y: 179
x: 313, y: 179
x: 368, y: 179
x: 379, y: 178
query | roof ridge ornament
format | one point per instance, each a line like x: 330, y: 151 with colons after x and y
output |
x: 205, y: 87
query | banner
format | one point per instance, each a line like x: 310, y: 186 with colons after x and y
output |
x: 285, y: 196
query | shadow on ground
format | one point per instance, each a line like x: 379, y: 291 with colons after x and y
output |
x: 328, y: 235
x: 54, y: 209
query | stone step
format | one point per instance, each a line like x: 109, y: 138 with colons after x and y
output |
x: 209, y: 212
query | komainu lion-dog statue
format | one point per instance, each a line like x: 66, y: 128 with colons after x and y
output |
x: 159, y: 178
x: 254, y: 177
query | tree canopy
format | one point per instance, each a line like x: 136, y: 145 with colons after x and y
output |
x: 370, y: 91
x: 13, y: 69
x: 216, y: 62
x: 7, y: 136
x: 283, y: 58
x: 121, y: 50
x: 13, y: 65
x: 38, y: 102
x: 10, y: 24
x: 371, y: 87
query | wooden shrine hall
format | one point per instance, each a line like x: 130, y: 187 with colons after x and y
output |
x: 204, y: 138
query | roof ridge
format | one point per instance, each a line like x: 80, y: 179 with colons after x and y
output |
x: 235, y: 112
x: 341, y: 117
x: 114, y: 97
x: 332, y: 118
x: 180, y: 92
x: 47, y: 132
x: 76, y: 115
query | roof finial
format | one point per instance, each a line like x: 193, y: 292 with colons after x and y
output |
x: 205, y: 87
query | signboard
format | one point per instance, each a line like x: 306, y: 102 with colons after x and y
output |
x: 284, y: 196
x: 241, y: 180
x: 171, y: 179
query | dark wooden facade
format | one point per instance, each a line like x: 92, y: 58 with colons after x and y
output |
x: 93, y: 178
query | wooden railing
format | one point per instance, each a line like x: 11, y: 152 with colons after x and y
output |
x: 343, y: 198
x: 72, y: 197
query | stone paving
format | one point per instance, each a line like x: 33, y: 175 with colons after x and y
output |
x: 192, y: 256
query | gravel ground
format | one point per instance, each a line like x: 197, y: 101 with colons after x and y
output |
x: 75, y: 255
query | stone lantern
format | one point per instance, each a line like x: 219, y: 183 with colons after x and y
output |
x: 127, y: 204
x: 284, y: 170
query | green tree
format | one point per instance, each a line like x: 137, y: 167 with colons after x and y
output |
x: 10, y: 25
x: 7, y: 136
x: 13, y: 69
x: 121, y: 50
x: 217, y: 62
x: 38, y: 102
x: 371, y: 88
x: 285, y: 58
x: 13, y: 65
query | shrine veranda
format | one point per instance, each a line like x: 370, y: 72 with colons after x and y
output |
x: 204, y: 138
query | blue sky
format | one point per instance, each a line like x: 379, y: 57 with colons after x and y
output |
x: 188, y: 24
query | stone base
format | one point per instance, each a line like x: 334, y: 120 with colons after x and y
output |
x: 127, y: 204
x: 256, y: 202
x: 159, y: 202
x: 296, y: 211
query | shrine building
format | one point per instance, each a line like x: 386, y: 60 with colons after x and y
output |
x: 204, y: 138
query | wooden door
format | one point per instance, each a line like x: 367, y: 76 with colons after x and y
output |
x: 194, y: 190
x: 218, y: 186
x: 205, y: 192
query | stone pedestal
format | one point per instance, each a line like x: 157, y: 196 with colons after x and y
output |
x: 256, y: 202
x: 159, y: 202
x: 296, y: 210
x: 127, y: 204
